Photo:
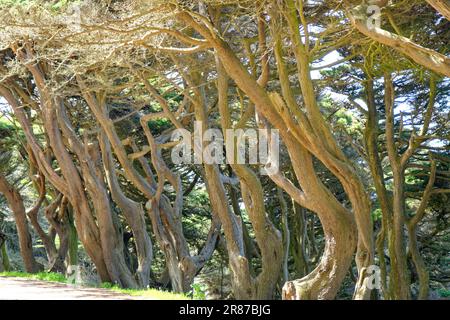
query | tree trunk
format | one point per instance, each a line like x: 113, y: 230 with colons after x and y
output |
x: 134, y: 215
x: 313, y: 133
x: 72, y: 255
x: 59, y: 223
x: 286, y: 234
x: 299, y: 233
x: 15, y: 203
x: 371, y: 135
x: 339, y: 230
x: 399, y: 284
x: 424, y: 277
x: 5, y: 266
x: 74, y: 190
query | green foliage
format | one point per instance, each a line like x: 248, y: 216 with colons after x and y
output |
x: 196, y: 217
x: 198, y: 291
x: 107, y: 285
x: 6, y: 130
x: 159, y: 125
x: 376, y: 214
x: 57, y: 5
x: 445, y: 293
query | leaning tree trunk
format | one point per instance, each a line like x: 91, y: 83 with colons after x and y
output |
x: 313, y: 133
x: 111, y: 238
x: 339, y: 231
x: 56, y: 215
x: 412, y: 224
x: 165, y: 217
x: 268, y: 238
x: 133, y: 212
x: 38, y: 180
x: 69, y: 183
x: 15, y: 202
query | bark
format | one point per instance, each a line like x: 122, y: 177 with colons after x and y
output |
x: 11, y: 96
x: 111, y: 237
x: 380, y: 245
x: 424, y: 277
x: 134, y: 215
x: 5, y: 266
x: 15, y: 203
x: 74, y: 190
x: 251, y: 250
x: 321, y: 145
x: 49, y: 244
x: 399, y: 282
x: 371, y: 135
x: 87, y: 183
x: 267, y: 236
x: 102, y: 242
x: 299, y: 235
x: 165, y: 217
x: 72, y: 255
x: 313, y: 135
x: 339, y: 231
x: 59, y: 223
x: 167, y: 222
x: 330, y: 154
x: 286, y: 234
x: 149, y: 190
x: 412, y: 224
x: 241, y: 279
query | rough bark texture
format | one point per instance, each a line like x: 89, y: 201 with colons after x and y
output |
x: 134, y: 214
x: 313, y: 128
x: 165, y: 216
x: 399, y: 284
x: 15, y: 203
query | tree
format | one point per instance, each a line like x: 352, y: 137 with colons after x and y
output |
x: 361, y: 140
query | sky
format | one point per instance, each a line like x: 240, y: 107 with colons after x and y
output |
x: 3, y: 105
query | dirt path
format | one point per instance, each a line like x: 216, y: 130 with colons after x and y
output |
x: 27, y: 289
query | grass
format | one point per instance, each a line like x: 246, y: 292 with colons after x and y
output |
x: 150, y: 293
x: 44, y: 276
x: 57, y: 277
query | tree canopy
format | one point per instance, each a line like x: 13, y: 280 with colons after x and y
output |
x: 123, y: 122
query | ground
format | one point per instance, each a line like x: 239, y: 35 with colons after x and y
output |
x: 27, y: 289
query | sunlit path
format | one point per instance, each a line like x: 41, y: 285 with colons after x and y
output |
x: 25, y: 289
